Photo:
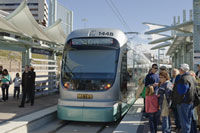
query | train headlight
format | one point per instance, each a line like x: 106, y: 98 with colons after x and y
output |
x: 67, y: 85
x: 107, y: 86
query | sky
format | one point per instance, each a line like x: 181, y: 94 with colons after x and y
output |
x: 134, y: 12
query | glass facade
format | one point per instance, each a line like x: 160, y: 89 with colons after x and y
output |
x: 66, y: 16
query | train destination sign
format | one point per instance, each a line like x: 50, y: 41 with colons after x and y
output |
x: 41, y: 51
x: 93, y: 41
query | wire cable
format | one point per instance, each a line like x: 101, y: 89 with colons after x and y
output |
x: 117, y: 15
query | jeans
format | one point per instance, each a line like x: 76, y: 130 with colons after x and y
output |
x: 153, y: 122
x: 16, y: 91
x: 193, y: 125
x: 166, y: 124
x: 5, y: 88
x: 185, y: 112
x: 177, y: 119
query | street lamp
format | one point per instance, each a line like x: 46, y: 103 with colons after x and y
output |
x: 84, y: 20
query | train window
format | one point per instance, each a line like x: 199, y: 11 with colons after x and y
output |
x: 89, y: 70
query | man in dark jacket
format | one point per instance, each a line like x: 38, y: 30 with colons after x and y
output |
x: 32, y: 90
x: 185, y: 90
x: 27, y: 80
x: 152, y: 78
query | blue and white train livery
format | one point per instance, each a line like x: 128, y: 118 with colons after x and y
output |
x: 93, y: 81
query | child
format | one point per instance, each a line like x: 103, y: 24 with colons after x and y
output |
x: 151, y: 108
x: 17, y: 81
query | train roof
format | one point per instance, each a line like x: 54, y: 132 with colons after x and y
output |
x: 99, y: 32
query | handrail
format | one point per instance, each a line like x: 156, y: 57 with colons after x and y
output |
x: 34, y: 59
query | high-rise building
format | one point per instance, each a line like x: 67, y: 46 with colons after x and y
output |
x: 38, y: 8
x: 58, y: 11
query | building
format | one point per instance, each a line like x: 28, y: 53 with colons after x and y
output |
x: 58, y: 11
x: 38, y: 8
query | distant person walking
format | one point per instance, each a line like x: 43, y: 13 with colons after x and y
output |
x: 6, y: 80
x: 17, y: 83
x: 27, y: 79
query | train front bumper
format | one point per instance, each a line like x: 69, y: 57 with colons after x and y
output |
x: 90, y: 114
x: 98, y: 111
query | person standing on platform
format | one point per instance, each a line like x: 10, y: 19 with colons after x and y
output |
x: 152, y: 79
x: 27, y: 79
x: 174, y: 80
x: 6, y: 80
x: 151, y: 108
x: 1, y: 72
x: 17, y: 83
x: 185, y: 89
x: 164, y: 93
x: 32, y: 91
x: 1, y: 75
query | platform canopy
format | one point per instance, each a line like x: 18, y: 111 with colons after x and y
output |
x: 56, y: 33
x: 178, y: 40
x: 163, y: 39
x: 21, y: 22
x: 184, y: 27
x: 7, y: 27
x: 162, y: 45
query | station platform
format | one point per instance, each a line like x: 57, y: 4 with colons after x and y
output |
x: 135, y: 122
x: 9, y: 110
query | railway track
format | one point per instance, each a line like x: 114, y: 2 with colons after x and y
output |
x: 59, y: 126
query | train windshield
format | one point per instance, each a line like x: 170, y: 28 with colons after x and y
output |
x: 91, y: 70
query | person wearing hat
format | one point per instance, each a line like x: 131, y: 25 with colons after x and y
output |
x: 163, y: 68
x: 185, y: 87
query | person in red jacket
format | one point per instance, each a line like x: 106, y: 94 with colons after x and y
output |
x: 151, y: 108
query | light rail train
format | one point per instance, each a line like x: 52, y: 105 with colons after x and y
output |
x: 93, y: 85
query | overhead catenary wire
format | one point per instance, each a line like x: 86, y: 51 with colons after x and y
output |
x: 118, y: 15
x: 121, y: 19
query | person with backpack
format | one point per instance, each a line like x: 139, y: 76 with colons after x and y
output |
x: 185, y: 96
x: 164, y: 95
